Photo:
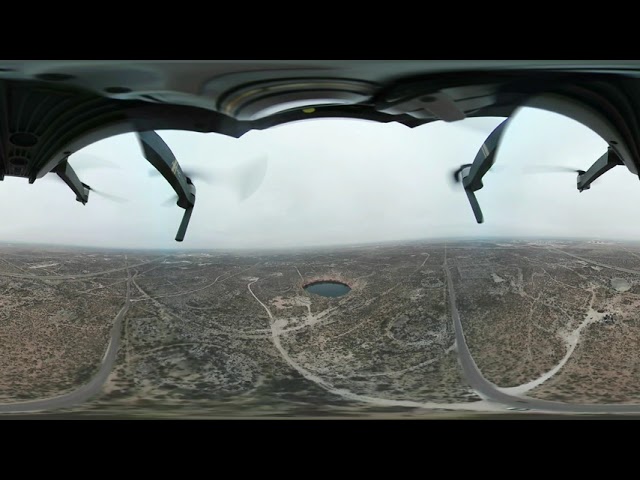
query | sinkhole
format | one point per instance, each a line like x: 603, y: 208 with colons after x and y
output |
x: 328, y: 288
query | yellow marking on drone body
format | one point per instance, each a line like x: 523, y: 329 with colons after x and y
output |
x: 309, y: 110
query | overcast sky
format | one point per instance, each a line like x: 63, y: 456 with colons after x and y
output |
x: 332, y: 182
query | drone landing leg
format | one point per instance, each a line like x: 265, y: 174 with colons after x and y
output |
x: 184, y: 224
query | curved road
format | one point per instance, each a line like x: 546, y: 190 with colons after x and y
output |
x: 487, y: 390
x: 88, y: 390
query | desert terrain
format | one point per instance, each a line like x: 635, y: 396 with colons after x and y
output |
x: 227, y: 334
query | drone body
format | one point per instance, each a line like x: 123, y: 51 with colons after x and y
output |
x: 51, y: 109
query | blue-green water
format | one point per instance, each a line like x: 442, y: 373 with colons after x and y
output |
x: 328, y: 289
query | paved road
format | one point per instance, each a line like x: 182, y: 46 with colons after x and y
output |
x: 88, y: 390
x: 489, y: 391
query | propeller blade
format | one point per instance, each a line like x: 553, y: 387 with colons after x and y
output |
x: 252, y: 177
x: 552, y: 169
x: 87, y: 161
x: 244, y: 179
x: 457, y: 177
x: 100, y: 193
x: 171, y: 201
x: 108, y: 196
x: 197, y: 174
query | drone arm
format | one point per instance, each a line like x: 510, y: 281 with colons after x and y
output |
x: 485, y: 158
x: 68, y: 175
x: 601, y: 166
x: 158, y: 153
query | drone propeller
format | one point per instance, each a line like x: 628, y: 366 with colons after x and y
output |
x: 108, y: 196
x: 169, y: 202
x: 606, y: 162
x: 100, y: 193
x: 249, y: 180
x: 457, y: 173
x: 86, y: 161
x: 244, y: 180
x: 196, y: 173
x: 553, y: 169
